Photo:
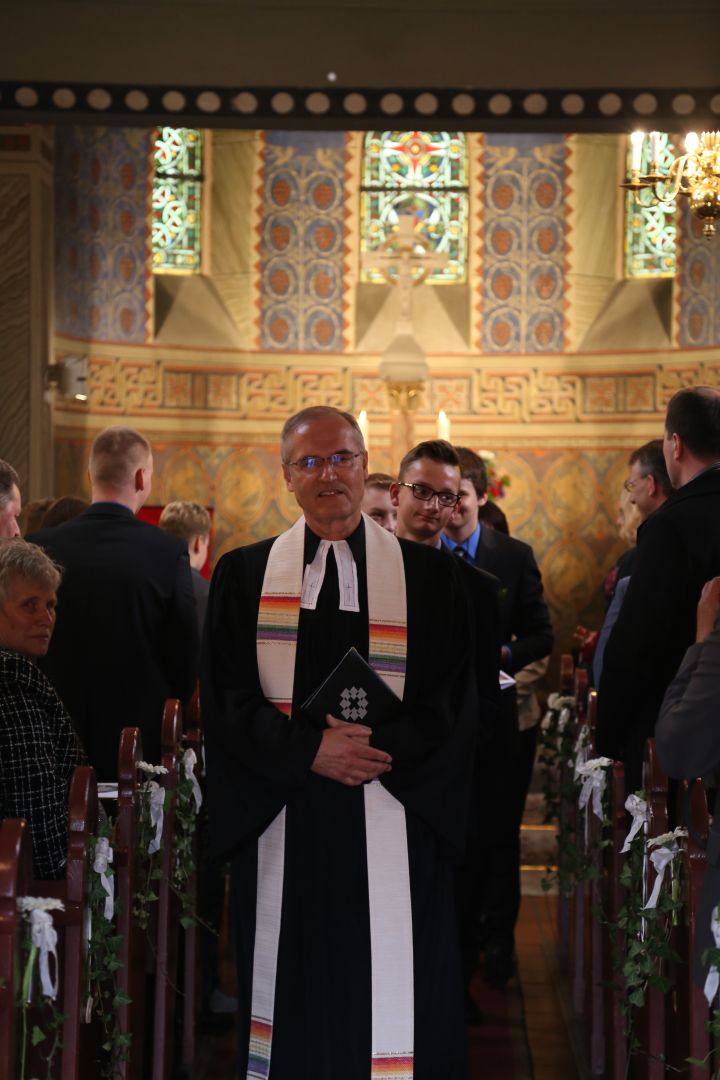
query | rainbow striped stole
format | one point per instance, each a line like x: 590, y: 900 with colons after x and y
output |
x: 388, y: 871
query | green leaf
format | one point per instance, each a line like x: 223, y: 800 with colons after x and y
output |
x: 38, y: 1035
x: 637, y: 998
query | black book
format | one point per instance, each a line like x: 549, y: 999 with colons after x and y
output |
x: 353, y: 692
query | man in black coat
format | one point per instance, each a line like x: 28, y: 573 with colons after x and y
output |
x: 126, y: 636
x: 425, y: 494
x: 526, y: 635
x: 678, y: 550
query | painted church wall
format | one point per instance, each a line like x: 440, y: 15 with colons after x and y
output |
x: 283, y: 262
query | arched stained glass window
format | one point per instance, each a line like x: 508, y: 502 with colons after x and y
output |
x: 650, y: 231
x: 176, y: 200
x: 423, y: 173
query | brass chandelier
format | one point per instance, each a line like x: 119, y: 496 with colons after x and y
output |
x: 696, y: 175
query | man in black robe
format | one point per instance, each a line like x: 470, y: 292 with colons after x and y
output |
x: 260, y: 760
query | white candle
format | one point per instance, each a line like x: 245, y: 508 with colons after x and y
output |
x: 364, y: 426
x: 637, y: 139
x: 654, y: 145
x: 443, y: 426
x: 692, y: 142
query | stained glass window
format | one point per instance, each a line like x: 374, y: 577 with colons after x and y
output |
x: 650, y: 231
x: 176, y: 200
x: 423, y: 173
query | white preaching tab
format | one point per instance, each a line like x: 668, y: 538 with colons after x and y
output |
x: 347, y: 576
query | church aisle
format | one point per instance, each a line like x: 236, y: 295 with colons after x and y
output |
x: 524, y: 1035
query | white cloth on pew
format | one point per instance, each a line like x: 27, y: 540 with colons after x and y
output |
x: 157, y: 814
x: 638, y: 810
x: 189, y: 761
x: 712, y: 981
x: 665, y: 850
x: 43, y: 937
x: 103, y: 858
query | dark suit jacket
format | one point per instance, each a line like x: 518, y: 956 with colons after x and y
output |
x: 126, y: 633
x: 678, y: 550
x: 523, y: 611
x: 687, y: 737
x: 201, y: 591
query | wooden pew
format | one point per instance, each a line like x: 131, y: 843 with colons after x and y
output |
x: 567, y: 679
x: 70, y: 923
x: 167, y: 904
x: 133, y: 947
x: 15, y: 876
x: 690, y: 1011
x: 651, y: 1021
x: 191, y: 938
x: 613, y: 859
x: 578, y: 899
x: 594, y: 939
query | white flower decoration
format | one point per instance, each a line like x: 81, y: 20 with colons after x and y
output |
x: 152, y: 770
x: 26, y: 904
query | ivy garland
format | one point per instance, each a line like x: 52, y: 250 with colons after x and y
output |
x: 183, y: 867
x: 43, y: 1010
x: 557, y: 740
x: 103, y: 964
x: 149, y: 863
x: 645, y: 931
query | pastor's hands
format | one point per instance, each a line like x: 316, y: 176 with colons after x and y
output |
x: 345, y: 754
x: 708, y: 608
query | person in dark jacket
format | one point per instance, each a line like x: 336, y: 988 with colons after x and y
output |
x: 687, y: 737
x: 126, y: 637
x: 678, y: 550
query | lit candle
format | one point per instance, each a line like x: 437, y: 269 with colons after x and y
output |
x: 637, y: 139
x: 692, y: 141
x: 655, y: 146
x: 364, y: 426
x: 443, y: 426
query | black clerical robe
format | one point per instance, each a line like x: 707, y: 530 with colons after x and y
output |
x: 259, y: 760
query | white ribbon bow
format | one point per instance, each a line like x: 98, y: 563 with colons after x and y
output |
x: 712, y: 981
x: 157, y: 805
x: 189, y: 761
x: 581, y: 752
x: 103, y: 857
x: 638, y: 808
x: 592, y: 774
x: 661, y: 858
x: 44, y: 937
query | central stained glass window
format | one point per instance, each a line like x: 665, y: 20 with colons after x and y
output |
x: 650, y: 231
x: 176, y: 200
x: 423, y: 173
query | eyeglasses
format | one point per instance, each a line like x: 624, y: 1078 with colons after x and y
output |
x: 313, y: 463
x: 630, y: 484
x: 425, y: 493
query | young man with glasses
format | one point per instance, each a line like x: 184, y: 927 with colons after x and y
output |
x: 342, y: 836
x: 426, y: 494
x: 526, y: 636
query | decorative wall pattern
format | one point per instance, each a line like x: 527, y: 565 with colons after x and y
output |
x: 101, y: 233
x: 302, y: 242
x: 526, y: 395
x: 524, y: 244
x: 699, y: 285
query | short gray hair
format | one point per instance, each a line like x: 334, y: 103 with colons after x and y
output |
x: 315, y: 412
x: 19, y: 559
x: 115, y: 455
x: 8, y: 478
